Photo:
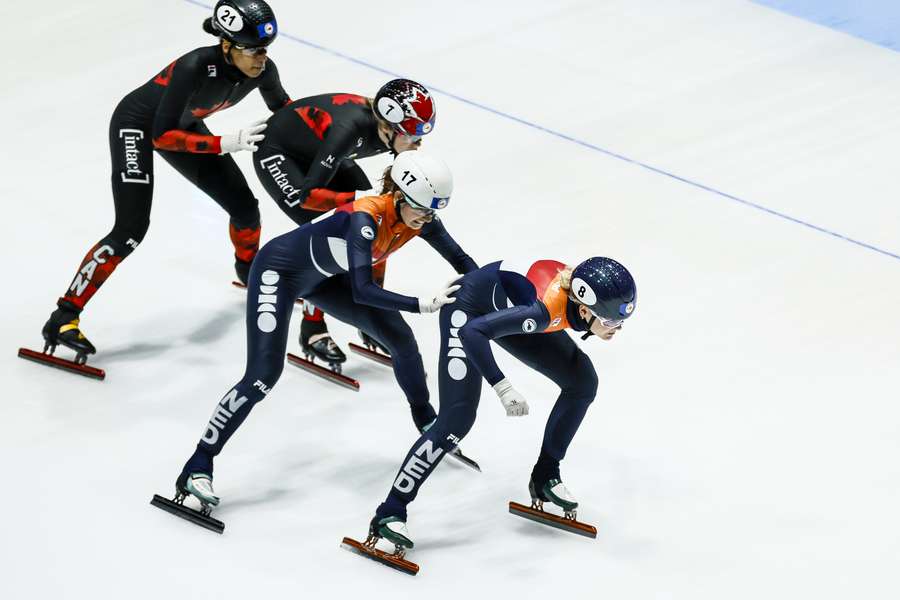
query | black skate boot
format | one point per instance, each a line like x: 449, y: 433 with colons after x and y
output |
x: 371, y: 343
x: 62, y: 328
x: 372, y: 350
x: 317, y: 343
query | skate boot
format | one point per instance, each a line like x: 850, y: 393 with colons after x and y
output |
x: 371, y: 343
x: 316, y: 342
x: 555, y: 492
x: 62, y: 328
x: 393, y: 529
x: 372, y: 350
x: 198, y: 485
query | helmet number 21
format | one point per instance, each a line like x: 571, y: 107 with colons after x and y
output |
x: 229, y: 18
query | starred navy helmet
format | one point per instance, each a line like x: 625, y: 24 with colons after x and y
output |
x: 246, y: 23
x: 605, y: 287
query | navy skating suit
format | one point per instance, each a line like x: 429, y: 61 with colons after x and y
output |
x: 526, y: 314
x: 330, y: 263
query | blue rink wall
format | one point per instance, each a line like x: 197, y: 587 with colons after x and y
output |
x: 877, y: 21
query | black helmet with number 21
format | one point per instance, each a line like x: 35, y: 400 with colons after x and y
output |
x: 245, y: 23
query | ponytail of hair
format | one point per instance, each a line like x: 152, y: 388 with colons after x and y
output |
x: 388, y: 185
x: 565, y: 279
x: 210, y: 27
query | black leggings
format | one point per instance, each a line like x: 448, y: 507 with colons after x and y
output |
x: 131, y: 152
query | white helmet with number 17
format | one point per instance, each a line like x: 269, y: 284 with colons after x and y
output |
x: 425, y: 180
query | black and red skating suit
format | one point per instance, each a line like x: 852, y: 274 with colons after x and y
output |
x: 306, y: 162
x: 166, y: 114
x: 193, y: 87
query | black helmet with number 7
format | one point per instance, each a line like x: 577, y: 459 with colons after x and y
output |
x: 246, y: 23
x: 407, y: 106
x: 605, y: 287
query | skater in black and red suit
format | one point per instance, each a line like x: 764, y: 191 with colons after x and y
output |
x: 166, y: 115
x: 307, y: 163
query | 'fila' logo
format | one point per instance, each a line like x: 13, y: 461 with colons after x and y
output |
x: 268, y: 300
x: 415, y: 467
x: 456, y: 366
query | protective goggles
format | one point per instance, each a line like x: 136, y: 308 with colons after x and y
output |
x: 248, y: 51
x: 425, y: 212
x: 608, y: 323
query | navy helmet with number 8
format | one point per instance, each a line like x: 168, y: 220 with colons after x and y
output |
x: 606, y: 288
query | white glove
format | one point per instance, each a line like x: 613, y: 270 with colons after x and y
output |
x: 245, y: 139
x: 443, y: 297
x: 512, y: 401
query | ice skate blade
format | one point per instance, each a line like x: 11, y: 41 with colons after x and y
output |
x: 241, y: 286
x: 378, y: 357
x: 385, y: 558
x: 322, y: 372
x: 61, y: 363
x: 465, y: 460
x: 545, y: 518
x: 188, y: 514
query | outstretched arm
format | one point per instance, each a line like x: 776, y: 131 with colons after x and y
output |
x: 359, y: 238
x: 438, y: 238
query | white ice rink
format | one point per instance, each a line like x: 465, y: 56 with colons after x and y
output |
x: 745, y: 439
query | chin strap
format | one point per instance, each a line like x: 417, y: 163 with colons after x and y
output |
x: 589, y: 332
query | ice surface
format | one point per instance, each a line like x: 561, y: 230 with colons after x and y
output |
x: 744, y: 441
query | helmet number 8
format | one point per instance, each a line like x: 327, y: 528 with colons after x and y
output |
x: 581, y: 291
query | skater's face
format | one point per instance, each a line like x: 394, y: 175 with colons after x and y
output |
x: 249, y: 61
x: 602, y: 328
x: 414, y: 218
